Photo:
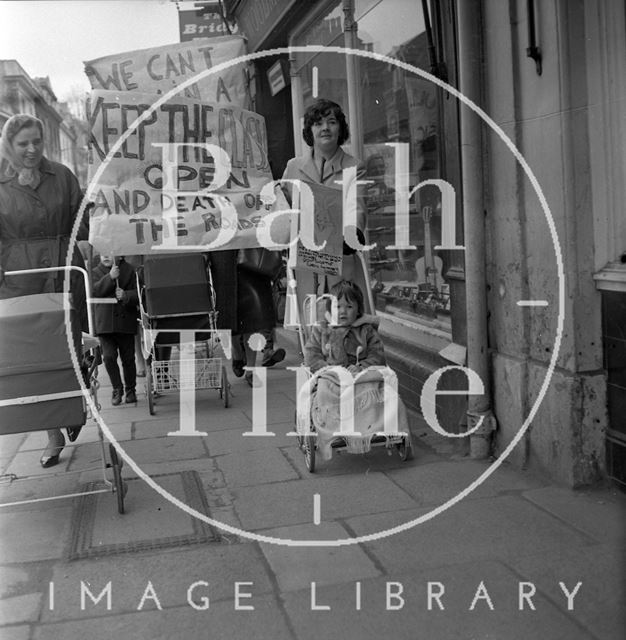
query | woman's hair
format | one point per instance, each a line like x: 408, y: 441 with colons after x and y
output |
x: 18, y: 122
x: 11, y: 128
x: 351, y: 292
x: 323, y: 108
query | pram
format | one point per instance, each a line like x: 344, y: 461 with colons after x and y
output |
x: 307, y: 436
x: 39, y: 388
x: 179, y: 336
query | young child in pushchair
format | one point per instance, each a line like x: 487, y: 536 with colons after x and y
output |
x: 353, y: 343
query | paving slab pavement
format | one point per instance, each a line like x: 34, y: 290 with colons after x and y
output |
x: 399, y: 607
x: 501, y: 560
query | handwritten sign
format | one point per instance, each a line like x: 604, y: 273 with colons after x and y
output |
x: 212, y: 192
x: 326, y: 209
x: 159, y: 69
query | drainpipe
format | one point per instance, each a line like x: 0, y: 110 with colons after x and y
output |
x: 470, y: 62
x: 296, y: 102
x: 350, y: 27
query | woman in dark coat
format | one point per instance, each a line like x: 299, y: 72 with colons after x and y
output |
x: 39, y: 201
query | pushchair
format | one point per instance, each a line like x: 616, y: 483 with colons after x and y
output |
x: 308, y: 436
x: 178, y: 323
x: 39, y: 388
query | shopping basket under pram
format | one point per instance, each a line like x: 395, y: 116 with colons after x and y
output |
x: 177, y: 299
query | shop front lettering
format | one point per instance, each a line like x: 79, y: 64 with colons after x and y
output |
x: 204, y: 29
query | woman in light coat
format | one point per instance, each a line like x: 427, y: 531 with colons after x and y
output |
x: 325, y: 130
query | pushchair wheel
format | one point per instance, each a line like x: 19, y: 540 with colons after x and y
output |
x: 120, y: 486
x: 299, y: 436
x: 224, y: 391
x: 150, y: 388
x: 309, y: 451
x: 405, y: 450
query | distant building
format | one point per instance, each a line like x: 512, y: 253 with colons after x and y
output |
x: 66, y: 139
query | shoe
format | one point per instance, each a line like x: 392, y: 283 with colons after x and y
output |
x: 72, y: 433
x: 116, y: 398
x: 131, y: 397
x: 274, y: 358
x: 50, y: 456
x: 49, y: 461
x: 238, y: 366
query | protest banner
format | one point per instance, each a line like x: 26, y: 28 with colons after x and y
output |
x: 325, y: 206
x: 212, y: 194
x: 159, y: 69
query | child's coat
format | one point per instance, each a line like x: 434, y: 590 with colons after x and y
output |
x: 120, y: 317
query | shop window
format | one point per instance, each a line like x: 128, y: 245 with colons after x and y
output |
x: 330, y: 72
x: 413, y: 286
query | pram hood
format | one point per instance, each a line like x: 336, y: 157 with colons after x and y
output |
x: 33, y: 334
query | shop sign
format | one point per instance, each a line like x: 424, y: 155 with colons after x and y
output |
x: 206, y: 22
x: 277, y: 77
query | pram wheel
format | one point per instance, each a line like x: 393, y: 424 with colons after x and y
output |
x: 150, y: 388
x: 405, y: 450
x: 308, y: 447
x: 299, y: 437
x: 120, y: 486
x: 224, y: 394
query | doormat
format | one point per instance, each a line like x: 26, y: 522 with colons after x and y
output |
x: 150, y: 521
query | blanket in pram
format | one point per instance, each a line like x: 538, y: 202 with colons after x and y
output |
x: 368, y: 411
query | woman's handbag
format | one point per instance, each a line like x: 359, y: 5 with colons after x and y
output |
x: 260, y: 260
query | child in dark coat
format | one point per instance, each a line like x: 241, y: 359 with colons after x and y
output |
x: 116, y: 323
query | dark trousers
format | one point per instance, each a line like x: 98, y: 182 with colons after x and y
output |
x: 124, y: 344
